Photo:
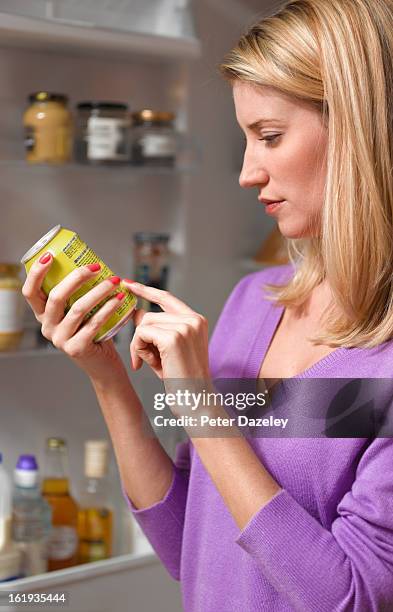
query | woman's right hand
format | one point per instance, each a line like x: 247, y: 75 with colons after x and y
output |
x: 66, y: 331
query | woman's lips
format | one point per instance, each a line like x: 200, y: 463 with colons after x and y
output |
x: 273, y: 207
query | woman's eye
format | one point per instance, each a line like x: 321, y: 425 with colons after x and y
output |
x: 271, y: 138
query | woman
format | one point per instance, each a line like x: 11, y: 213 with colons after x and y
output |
x: 284, y: 523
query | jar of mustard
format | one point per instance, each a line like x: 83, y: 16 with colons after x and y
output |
x: 48, y: 129
x: 12, y: 306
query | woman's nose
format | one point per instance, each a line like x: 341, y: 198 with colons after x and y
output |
x: 251, y: 174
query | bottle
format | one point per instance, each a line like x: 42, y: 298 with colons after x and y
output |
x: 10, y: 556
x: 63, y: 541
x: 95, y: 521
x: 31, y: 518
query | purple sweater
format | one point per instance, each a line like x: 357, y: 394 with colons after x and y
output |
x: 324, y: 543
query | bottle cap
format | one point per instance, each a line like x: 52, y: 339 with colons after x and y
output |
x: 96, y: 458
x: 26, y: 471
x: 56, y: 443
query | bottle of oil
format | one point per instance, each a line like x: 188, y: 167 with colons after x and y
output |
x: 95, y: 520
x: 63, y: 542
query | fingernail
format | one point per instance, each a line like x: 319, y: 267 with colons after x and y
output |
x: 115, y: 280
x: 120, y: 296
x: 94, y: 267
x: 45, y: 258
x: 128, y: 280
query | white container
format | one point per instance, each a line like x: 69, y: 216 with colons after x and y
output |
x: 9, y: 555
x: 5, y: 507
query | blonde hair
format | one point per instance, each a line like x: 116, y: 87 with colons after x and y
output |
x: 338, y: 56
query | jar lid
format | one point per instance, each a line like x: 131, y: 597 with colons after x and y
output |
x: 9, y: 269
x: 97, y: 105
x: 151, y: 115
x: 140, y: 237
x: 46, y: 96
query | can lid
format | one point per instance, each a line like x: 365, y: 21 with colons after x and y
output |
x: 140, y: 237
x: 40, y: 244
x: 46, y: 96
x: 102, y: 105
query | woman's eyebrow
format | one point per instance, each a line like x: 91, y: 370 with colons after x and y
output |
x: 263, y: 121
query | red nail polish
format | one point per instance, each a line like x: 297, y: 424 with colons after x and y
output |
x: 120, y: 296
x: 94, y: 267
x: 129, y: 280
x: 115, y: 280
x: 45, y: 258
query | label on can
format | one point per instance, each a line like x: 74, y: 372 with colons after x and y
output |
x: 106, y: 138
x: 11, y: 311
x: 63, y: 543
x: 70, y: 252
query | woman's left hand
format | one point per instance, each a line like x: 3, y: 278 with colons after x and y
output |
x: 174, y: 343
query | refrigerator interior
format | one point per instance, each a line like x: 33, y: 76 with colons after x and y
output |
x: 215, y: 229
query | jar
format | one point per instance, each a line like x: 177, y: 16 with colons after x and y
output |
x: 48, y: 129
x: 103, y: 133
x: 154, y: 140
x: 12, y: 306
x: 151, y: 262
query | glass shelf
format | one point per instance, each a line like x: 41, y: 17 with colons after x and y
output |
x: 94, y: 170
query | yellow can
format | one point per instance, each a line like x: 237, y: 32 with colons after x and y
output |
x: 70, y: 252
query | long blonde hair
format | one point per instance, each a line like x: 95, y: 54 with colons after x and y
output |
x: 338, y: 56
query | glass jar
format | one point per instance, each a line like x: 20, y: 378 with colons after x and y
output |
x: 12, y: 306
x: 151, y: 262
x: 154, y: 139
x: 48, y: 129
x: 103, y: 133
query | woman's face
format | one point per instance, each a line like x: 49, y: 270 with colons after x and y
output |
x: 285, y: 157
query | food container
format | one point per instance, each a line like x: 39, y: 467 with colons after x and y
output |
x: 48, y: 129
x: 153, y: 137
x: 151, y: 260
x: 12, y: 306
x: 70, y: 252
x: 103, y: 133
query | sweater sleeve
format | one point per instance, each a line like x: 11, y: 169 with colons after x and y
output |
x: 163, y: 522
x: 346, y: 569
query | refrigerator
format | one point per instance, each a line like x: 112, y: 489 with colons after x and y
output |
x: 161, y: 54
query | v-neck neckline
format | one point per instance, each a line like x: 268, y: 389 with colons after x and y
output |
x: 259, y: 348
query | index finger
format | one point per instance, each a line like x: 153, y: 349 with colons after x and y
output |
x: 167, y: 301
x: 31, y: 289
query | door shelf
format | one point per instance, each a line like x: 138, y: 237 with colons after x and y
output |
x: 82, y: 572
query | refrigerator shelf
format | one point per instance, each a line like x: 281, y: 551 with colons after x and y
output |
x: 86, y: 38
